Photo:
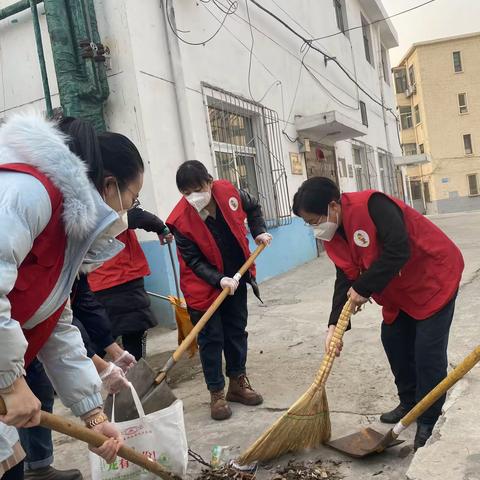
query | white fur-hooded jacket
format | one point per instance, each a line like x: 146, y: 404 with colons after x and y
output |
x: 25, y: 211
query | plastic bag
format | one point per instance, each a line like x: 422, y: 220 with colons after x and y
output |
x: 159, y: 435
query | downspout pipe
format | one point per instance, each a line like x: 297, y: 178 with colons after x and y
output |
x: 16, y: 8
x: 41, y: 58
x: 175, y: 59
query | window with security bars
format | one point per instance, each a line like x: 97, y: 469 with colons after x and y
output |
x: 247, y: 150
x: 364, y: 165
x: 389, y: 174
x: 406, y: 121
x: 409, y: 149
x: 400, y: 76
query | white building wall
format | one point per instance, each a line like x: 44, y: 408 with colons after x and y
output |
x: 142, y: 101
x: 143, y: 106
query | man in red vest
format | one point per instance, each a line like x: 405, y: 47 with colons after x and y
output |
x: 386, y: 250
x: 209, y: 228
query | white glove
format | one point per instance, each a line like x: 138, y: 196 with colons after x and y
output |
x: 263, y: 238
x: 231, y: 283
x: 113, y: 379
x: 125, y: 361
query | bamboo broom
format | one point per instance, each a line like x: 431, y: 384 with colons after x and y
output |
x: 306, y: 425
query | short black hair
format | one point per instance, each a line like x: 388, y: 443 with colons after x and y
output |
x: 192, y: 174
x: 314, y: 196
x: 120, y: 158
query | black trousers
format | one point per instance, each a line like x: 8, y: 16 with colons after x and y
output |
x: 136, y: 344
x: 225, y: 333
x: 417, y: 353
x: 15, y: 473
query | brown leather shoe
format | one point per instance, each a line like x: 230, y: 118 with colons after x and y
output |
x: 240, y: 391
x: 218, y: 406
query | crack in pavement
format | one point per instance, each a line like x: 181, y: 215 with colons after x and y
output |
x: 348, y: 412
x: 475, y: 276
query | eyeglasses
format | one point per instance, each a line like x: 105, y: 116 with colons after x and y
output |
x: 314, y: 224
x: 136, y: 201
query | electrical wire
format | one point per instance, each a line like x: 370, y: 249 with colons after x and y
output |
x: 375, y: 22
x: 231, y: 10
x: 325, y: 56
x: 318, y: 74
x: 305, y: 30
x: 252, y: 45
x: 276, y: 82
x: 249, y: 77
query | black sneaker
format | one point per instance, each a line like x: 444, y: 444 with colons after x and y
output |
x: 395, y: 415
x: 424, y: 432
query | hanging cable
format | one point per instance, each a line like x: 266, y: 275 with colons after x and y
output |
x: 233, y: 7
x: 286, y: 50
x: 374, y: 22
x: 302, y: 65
x: 325, y: 56
x: 277, y: 82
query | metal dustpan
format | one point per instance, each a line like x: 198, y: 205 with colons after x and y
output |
x: 154, y: 396
x: 368, y: 441
x: 364, y: 443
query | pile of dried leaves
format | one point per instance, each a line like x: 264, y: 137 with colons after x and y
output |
x: 306, y: 471
x: 292, y: 471
x: 225, y: 472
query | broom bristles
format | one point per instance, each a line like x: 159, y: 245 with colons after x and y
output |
x: 306, y: 425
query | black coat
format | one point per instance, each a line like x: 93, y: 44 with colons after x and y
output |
x: 91, y: 318
x: 128, y: 304
x: 128, y: 307
x: 195, y: 259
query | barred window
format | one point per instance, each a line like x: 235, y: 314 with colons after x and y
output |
x: 247, y: 150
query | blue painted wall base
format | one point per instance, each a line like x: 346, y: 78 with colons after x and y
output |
x: 292, y: 246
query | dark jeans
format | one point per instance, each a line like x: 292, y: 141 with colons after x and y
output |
x: 136, y: 344
x: 417, y: 352
x: 37, y: 441
x: 224, y: 333
x: 15, y: 473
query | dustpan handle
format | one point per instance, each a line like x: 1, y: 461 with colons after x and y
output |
x: 183, y: 347
x: 172, y: 261
x: 453, y: 377
x: 329, y: 356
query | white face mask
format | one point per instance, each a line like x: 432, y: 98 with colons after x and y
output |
x: 121, y: 224
x: 326, y: 231
x: 199, y: 200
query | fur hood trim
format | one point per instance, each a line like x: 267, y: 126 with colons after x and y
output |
x: 31, y: 139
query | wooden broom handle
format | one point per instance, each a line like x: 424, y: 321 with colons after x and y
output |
x: 453, y: 377
x: 329, y: 356
x: 183, y: 347
x: 75, y: 430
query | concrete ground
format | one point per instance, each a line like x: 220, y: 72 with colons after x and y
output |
x: 286, y: 347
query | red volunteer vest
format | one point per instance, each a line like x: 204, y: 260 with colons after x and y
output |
x: 426, y: 283
x: 39, y: 272
x: 199, y: 295
x: 130, y: 264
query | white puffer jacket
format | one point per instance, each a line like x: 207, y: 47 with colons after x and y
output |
x: 25, y: 211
